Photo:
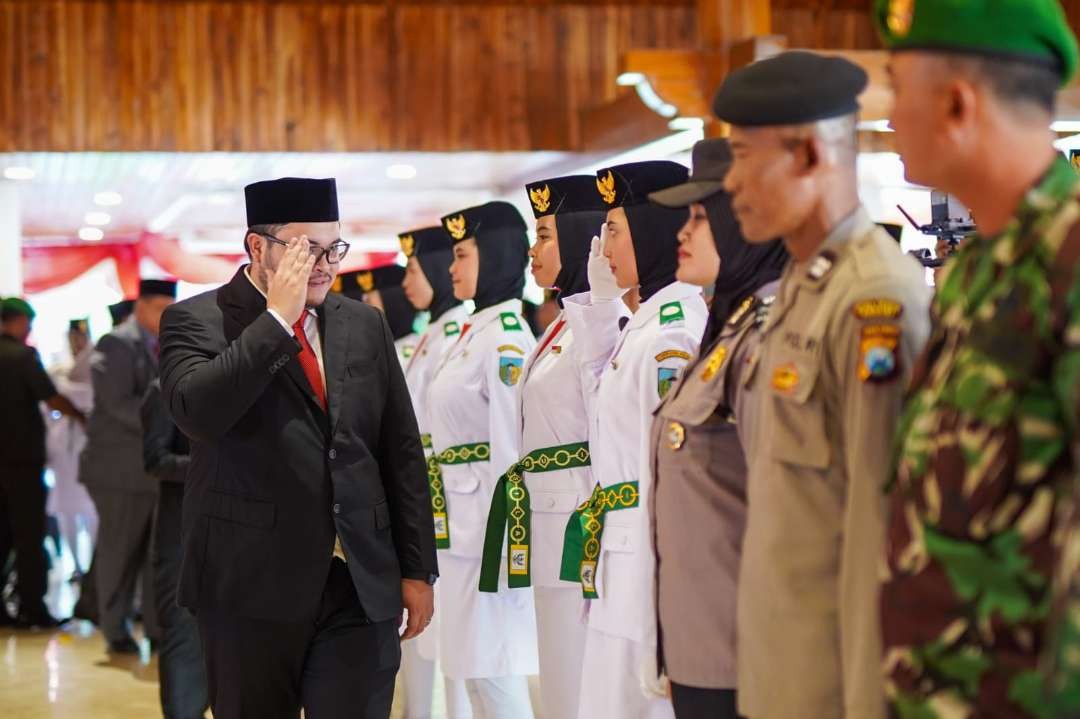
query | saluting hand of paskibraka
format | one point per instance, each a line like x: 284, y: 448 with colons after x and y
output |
x: 601, y: 278
x: 287, y: 286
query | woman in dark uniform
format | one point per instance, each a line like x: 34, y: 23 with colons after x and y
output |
x: 698, y: 509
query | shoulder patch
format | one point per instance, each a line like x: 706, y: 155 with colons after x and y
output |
x: 821, y: 265
x: 672, y: 354
x: 510, y: 370
x: 742, y: 311
x: 665, y: 380
x: 451, y: 328
x: 511, y: 348
x: 510, y: 321
x: 877, y: 309
x: 671, y: 312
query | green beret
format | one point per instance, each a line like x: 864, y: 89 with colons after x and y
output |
x: 12, y: 306
x: 1026, y: 30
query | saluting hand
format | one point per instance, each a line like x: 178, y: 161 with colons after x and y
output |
x: 601, y: 279
x: 287, y: 286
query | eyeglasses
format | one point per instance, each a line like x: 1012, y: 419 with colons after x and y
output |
x: 334, y: 254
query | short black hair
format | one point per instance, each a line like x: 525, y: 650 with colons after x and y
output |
x: 7, y: 314
x: 260, y: 230
x: 1017, y: 83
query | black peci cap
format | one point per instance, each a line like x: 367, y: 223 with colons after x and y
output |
x: 792, y: 88
x: 711, y: 159
x: 630, y: 184
x: 162, y: 288
x: 427, y: 239
x: 291, y: 199
x: 355, y: 284
x: 575, y: 193
x: 121, y: 311
x: 487, y: 217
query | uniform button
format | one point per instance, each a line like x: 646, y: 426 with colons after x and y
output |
x: 333, y: 454
x: 551, y: 503
x: 337, y: 509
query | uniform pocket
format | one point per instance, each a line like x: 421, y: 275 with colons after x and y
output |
x: 798, y: 430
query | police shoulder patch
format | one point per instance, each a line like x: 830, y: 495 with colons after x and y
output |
x: 510, y: 370
x: 451, y: 328
x: 671, y: 312
x: 673, y: 354
x: 877, y: 309
x: 742, y: 311
x: 510, y: 321
x: 879, y: 360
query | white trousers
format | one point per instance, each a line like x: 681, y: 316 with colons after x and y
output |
x: 560, y: 636
x: 502, y: 698
x: 418, y: 682
x: 611, y: 681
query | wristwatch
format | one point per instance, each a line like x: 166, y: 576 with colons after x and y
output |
x: 431, y: 579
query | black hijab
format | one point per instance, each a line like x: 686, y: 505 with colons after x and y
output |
x: 436, y: 268
x: 744, y: 267
x: 575, y: 231
x: 655, y: 233
x: 504, y: 253
x: 400, y: 314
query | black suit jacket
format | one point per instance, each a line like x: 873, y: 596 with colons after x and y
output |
x: 273, y: 476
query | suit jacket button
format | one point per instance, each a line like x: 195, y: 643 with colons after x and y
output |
x: 337, y: 509
x: 333, y: 454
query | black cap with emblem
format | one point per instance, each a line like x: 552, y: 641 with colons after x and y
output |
x: 157, y: 288
x: 558, y: 195
x: 386, y: 280
x: 121, y: 311
x: 503, y: 245
x: 792, y: 88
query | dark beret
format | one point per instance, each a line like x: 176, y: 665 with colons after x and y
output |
x: 164, y: 288
x: 562, y: 195
x: 711, y: 160
x: 792, y: 88
x: 631, y: 184
x: 427, y: 239
x: 483, y: 218
x: 291, y: 199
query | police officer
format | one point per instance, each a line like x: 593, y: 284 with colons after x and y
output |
x: 553, y: 476
x: 426, y: 284
x: 848, y: 321
x: 487, y: 639
x: 381, y: 288
x: 627, y: 373
x: 985, y: 438
x: 698, y: 508
x: 22, y: 460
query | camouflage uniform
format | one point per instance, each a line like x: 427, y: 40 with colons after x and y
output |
x: 983, y: 466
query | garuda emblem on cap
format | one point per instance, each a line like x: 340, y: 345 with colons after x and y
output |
x: 408, y: 245
x: 456, y: 227
x: 366, y: 281
x: 606, y: 185
x: 901, y: 13
x: 541, y: 198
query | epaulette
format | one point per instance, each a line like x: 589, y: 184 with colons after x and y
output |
x: 671, y: 312
x: 510, y: 321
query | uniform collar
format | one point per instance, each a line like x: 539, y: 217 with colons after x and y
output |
x: 815, y: 272
x: 489, y: 314
x: 650, y: 308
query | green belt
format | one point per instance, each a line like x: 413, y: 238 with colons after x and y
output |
x: 425, y: 441
x: 514, y: 523
x: 581, y: 547
x: 461, y: 454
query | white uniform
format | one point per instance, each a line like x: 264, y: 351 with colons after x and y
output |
x: 418, y: 656
x: 630, y: 372
x: 486, y: 638
x: 405, y: 347
x: 554, y: 414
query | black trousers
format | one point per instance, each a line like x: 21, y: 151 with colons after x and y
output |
x: 341, y: 666
x: 182, y: 672
x: 695, y: 703
x: 22, y: 500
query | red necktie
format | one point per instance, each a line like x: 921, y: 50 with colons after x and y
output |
x: 309, y: 362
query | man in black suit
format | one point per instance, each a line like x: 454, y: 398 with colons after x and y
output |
x: 307, y: 517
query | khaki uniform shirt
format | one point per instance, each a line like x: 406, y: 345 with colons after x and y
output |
x: 836, y: 352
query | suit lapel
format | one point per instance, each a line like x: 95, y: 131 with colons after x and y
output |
x: 334, y: 330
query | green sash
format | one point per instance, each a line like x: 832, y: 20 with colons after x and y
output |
x: 515, y: 524
x: 461, y: 454
x: 581, y: 548
x: 425, y: 441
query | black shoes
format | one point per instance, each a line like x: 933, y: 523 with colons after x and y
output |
x: 40, y: 619
x: 127, y: 645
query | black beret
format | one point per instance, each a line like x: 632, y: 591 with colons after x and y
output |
x: 355, y: 284
x: 482, y: 218
x: 711, y: 160
x: 121, y: 310
x: 792, y: 88
x: 561, y: 195
x: 291, y: 199
x: 626, y: 185
x: 427, y: 239
x: 81, y: 326
x: 165, y: 288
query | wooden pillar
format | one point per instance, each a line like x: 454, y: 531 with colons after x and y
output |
x: 722, y: 26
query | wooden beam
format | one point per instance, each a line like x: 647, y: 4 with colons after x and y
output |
x: 620, y: 125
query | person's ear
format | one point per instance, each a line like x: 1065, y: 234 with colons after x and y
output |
x: 256, y: 245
